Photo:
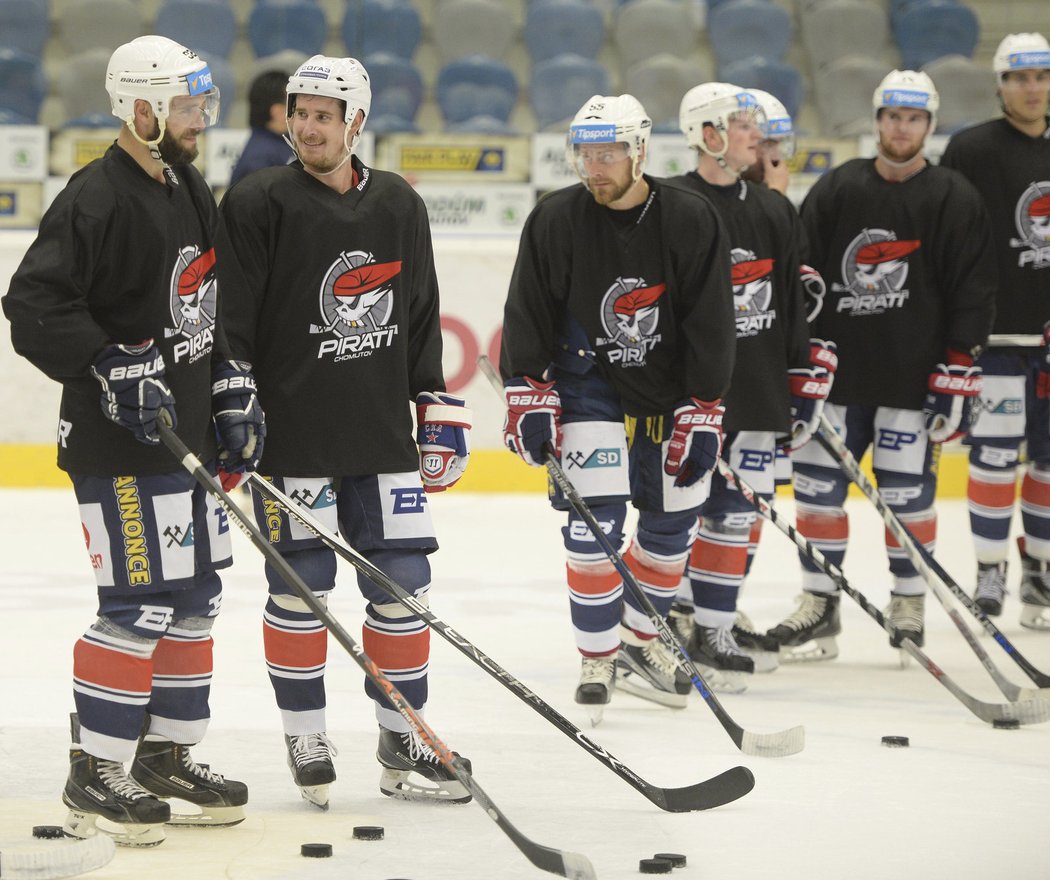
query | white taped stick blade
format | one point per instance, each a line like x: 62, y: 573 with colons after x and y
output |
x: 57, y: 858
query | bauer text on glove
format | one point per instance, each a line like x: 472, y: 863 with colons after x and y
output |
x: 696, y: 440
x: 952, y: 390
x: 134, y: 393
x: 239, y: 420
x: 533, y: 422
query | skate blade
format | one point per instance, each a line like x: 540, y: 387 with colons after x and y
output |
x: 765, y: 661
x: 191, y: 815
x: 316, y: 795
x: 1035, y: 617
x: 824, y: 648
x: 595, y: 712
x: 631, y: 683
x: 724, y: 681
x: 84, y: 825
x: 405, y: 785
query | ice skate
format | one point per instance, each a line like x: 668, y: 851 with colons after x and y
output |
x: 406, y: 760
x: 905, y: 614
x: 810, y: 631
x: 1035, y: 591
x: 103, y: 799
x: 724, y: 666
x: 991, y: 587
x: 681, y: 619
x: 596, y: 683
x: 650, y: 671
x: 310, y: 760
x: 166, y: 770
x: 761, y: 648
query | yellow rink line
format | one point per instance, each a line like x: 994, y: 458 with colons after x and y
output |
x: 491, y: 470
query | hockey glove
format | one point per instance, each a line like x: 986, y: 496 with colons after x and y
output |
x: 1042, y: 384
x: 814, y: 287
x: 533, y: 422
x: 953, y: 388
x: 240, y: 424
x: 134, y: 393
x: 809, y: 388
x: 443, y: 435
x: 696, y: 441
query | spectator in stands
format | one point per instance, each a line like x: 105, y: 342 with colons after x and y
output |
x: 266, y: 146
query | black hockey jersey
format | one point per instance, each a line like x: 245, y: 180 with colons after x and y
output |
x: 1012, y: 172
x: 771, y: 331
x: 333, y: 299
x: 910, y: 273
x: 120, y: 258
x: 653, y: 299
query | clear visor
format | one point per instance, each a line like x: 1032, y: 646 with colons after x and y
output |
x: 590, y: 159
x: 779, y: 146
x: 750, y: 117
x: 189, y: 111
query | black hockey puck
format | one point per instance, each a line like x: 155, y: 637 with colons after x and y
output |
x: 48, y: 832
x: 368, y: 832
x: 655, y: 866
x: 1006, y: 723
x: 895, y: 742
x: 677, y: 860
x: 316, y: 850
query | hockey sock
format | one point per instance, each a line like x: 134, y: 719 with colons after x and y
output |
x: 595, y: 600
x: 182, y: 667
x: 827, y: 528
x: 1035, y: 511
x: 659, y: 579
x: 752, y: 544
x: 717, y: 563
x: 906, y: 579
x: 296, y: 647
x: 990, y: 495
x: 399, y: 643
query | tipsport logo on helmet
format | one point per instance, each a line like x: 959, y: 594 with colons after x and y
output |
x: 874, y: 269
x: 630, y: 314
x: 192, y: 298
x: 1032, y: 218
x: 752, y: 293
x: 199, y: 81
x: 905, y: 98
x: 592, y: 134
x: 357, y: 301
x: 1028, y: 60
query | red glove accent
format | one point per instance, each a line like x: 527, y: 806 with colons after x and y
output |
x: 696, y: 441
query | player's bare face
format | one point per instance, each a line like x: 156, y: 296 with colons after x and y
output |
x: 318, y: 129
x: 1026, y: 94
x: 742, y: 138
x: 186, y: 120
x: 606, y: 170
x: 902, y: 132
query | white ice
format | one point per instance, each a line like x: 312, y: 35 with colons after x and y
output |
x: 963, y: 801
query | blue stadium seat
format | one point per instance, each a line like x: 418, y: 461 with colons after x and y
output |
x: 397, y: 92
x: 644, y: 28
x: 659, y: 83
x: 967, y: 90
x: 24, y: 25
x: 557, y: 27
x: 391, y: 26
x: 477, y: 93
x: 834, y: 28
x: 559, y: 86
x: 80, y: 85
x: 22, y: 86
x: 208, y: 27
x: 276, y: 25
x: 780, y: 79
x: 929, y: 29
x: 742, y: 28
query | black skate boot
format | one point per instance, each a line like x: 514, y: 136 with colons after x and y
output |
x: 310, y: 760
x: 648, y: 669
x: 991, y: 587
x: 816, y: 620
x: 596, y: 683
x: 1035, y: 591
x: 905, y: 614
x: 724, y: 664
x: 404, y: 754
x: 681, y: 619
x: 100, y: 790
x: 760, y: 647
x: 166, y: 770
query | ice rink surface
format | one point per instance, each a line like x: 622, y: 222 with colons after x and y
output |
x: 963, y: 801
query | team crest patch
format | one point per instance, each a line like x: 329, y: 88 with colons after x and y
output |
x: 752, y: 292
x: 874, y: 269
x: 357, y: 303
x: 630, y: 314
x: 1032, y: 218
x: 193, y: 292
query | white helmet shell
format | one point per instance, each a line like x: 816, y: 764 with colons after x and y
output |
x: 715, y: 103
x: 1021, y: 52
x: 910, y: 89
x: 344, y: 79
x: 611, y: 119
x: 156, y: 69
x: 778, y: 120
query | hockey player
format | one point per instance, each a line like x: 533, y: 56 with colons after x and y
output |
x: 336, y: 301
x: 906, y: 248
x: 778, y: 386
x: 116, y: 299
x: 617, y: 348
x: 1008, y: 161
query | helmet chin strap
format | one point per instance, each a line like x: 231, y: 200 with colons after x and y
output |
x: 154, y: 145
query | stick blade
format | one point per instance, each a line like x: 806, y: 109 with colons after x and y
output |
x: 774, y: 745
x: 722, y: 789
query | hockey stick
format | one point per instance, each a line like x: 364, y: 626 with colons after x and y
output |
x: 927, y: 566
x: 770, y: 745
x: 51, y: 860
x: 565, y: 864
x: 722, y: 789
x: 1023, y: 712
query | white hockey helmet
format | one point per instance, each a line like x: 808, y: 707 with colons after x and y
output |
x: 779, y: 125
x: 156, y: 69
x: 344, y: 79
x: 909, y: 89
x: 715, y: 104
x: 611, y: 119
x: 1021, y: 52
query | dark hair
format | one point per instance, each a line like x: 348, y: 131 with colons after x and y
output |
x: 267, y: 89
